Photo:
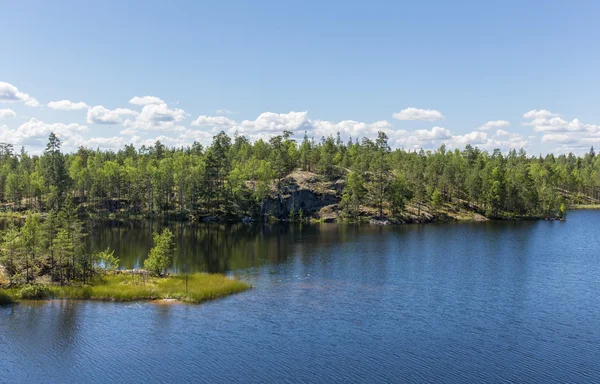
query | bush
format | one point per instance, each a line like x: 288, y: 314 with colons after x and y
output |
x: 35, y: 292
x: 161, y: 254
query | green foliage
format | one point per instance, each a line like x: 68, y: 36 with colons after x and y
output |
x: 354, y: 194
x: 436, y: 199
x: 398, y: 194
x: 54, y: 247
x: 107, y: 260
x: 233, y: 177
x: 161, y: 255
x: 35, y: 292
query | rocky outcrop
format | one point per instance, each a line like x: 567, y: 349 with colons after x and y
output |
x: 303, y: 192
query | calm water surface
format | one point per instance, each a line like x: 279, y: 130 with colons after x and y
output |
x: 470, y: 302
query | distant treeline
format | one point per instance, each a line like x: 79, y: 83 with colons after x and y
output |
x: 233, y: 176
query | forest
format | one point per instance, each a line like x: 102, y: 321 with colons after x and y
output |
x: 233, y: 178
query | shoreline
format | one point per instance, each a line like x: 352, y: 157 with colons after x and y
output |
x: 124, y: 287
x: 452, y: 215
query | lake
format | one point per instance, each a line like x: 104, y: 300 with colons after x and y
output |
x: 451, y: 302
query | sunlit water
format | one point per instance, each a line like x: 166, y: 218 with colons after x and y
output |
x: 470, y: 302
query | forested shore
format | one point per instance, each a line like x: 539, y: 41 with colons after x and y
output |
x: 288, y: 179
x: 48, y: 259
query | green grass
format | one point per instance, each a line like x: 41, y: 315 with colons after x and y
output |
x: 584, y: 206
x: 201, y: 287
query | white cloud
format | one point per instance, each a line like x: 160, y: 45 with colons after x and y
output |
x: 7, y: 113
x: 128, y: 132
x: 34, y: 133
x: 269, y: 124
x: 67, y: 105
x: 558, y: 124
x: 157, y: 117
x: 418, y: 114
x: 473, y: 138
x: 37, y: 128
x: 278, y: 122
x: 160, y: 113
x: 213, y: 121
x: 572, y: 136
x: 101, y: 115
x: 355, y: 129
x: 115, y: 142
x: 558, y: 138
x: 502, y: 133
x: 145, y: 100
x: 192, y: 135
x: 436, y: 133
x: 10, y: 93
x: 494, y: 124
x: 538, y: 114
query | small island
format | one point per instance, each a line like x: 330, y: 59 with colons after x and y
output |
x: 195, y: 288
x: 46, y: 260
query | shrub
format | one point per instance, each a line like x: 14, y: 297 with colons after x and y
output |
x: 35, y: 292
x: 161, y: 254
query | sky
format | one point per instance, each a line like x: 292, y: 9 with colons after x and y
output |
x: 493, y: 74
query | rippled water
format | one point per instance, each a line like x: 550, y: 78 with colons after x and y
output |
x: 473, y: 302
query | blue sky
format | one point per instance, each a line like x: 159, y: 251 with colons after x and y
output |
x: 258, y: 67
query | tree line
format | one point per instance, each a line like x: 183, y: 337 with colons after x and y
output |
x: 232, y: 177
x: 53, y: 247
x: 53, y: 250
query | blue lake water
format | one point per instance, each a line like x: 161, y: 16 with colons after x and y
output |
x: 454, y: 302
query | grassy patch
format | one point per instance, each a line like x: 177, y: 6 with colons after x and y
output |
x: 201, y: 287
x: 584, y: 206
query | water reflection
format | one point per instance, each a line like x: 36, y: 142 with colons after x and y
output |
x: 464, y: 302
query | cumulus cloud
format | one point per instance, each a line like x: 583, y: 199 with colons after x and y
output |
x: 538, y: 114
x: 494, y: 124
x: 355, y: 129
x: 278, y: 122
x: 558, y: 124
x: 558, y: 138
x: 213, y: 121
x: 571, y: 136
x: 436, y: 133
x: 7, y: 113
x: 101, y: 115
x: 473, y: 138
x: 418, y: 114
x: 67, y: 105
x: 157, y: 117
x: 269, y: 124
x: 114, y: 142
x: 145, y: 100
x: 10, y: 93
x: 35, y: 133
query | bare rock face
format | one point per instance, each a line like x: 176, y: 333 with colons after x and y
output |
x: 379, y: 220
x: 302, y: 191
x: 329, y: 213
x: 478, y: 217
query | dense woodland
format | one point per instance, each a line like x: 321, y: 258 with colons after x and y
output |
x: 233, y: 177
